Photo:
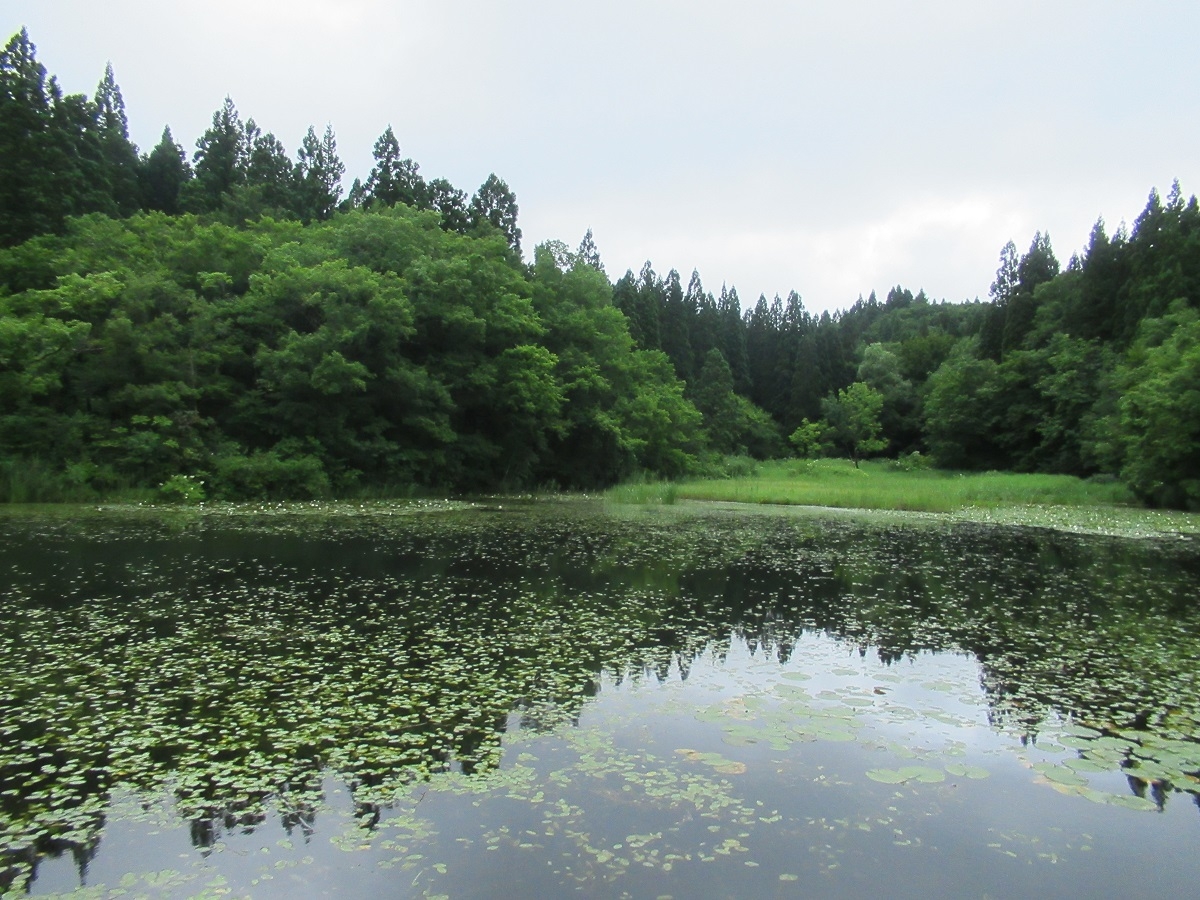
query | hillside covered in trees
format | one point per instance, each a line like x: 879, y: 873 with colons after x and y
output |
x: 227, y: 324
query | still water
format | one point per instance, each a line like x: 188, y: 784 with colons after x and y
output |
x: 565, y: 698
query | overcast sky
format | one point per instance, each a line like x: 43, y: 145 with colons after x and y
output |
x: 833, y: 148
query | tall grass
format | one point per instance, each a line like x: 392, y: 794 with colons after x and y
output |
x: 651, y: 493
x: 882, y: 485
x: 33, y: 481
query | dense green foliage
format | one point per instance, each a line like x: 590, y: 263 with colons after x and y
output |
x: 286, y: 360
x: 1088, y: 371
x: 241, y: 333
x: 1095, y: 371
x: 229, y: 326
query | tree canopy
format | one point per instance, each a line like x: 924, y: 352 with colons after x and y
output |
x: 227, y: 316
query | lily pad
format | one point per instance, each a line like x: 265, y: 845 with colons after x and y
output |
x: 922, y: 774
x: 1063, y: 775
x: 964, y: 771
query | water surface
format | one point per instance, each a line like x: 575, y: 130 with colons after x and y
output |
x: 443, y: 699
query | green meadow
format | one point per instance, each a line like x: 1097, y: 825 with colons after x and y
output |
x: 1059, y: 501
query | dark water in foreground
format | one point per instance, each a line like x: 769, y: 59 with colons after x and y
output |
x: 566, y: 699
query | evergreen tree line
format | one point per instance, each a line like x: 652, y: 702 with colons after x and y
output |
x: 68, y: 155
x: 231, y: 320
x: 1092, y: 370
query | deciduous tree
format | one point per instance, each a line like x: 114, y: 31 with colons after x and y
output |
x: 853, y: 416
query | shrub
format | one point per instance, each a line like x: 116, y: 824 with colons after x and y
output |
x: 268, y: 475
x: 182, y: 489
x: 912, y: 462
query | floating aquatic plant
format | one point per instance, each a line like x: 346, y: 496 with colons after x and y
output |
x: 237, y: 658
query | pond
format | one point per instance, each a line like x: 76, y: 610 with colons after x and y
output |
x: 566, y: 698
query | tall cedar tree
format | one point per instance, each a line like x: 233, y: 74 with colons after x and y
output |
x: 496, y: 205
x: 270, y: 174
x: 393, y: 179
x: 49, y: 152
x: 318, y: 176
x: 219, y: 163
x: 120, y: 156
x: 451, y: 203
x: 163, y: 174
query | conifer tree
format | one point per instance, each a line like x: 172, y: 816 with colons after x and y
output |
x: 356, y: 197
x: 163, y: 174
x: 704, y: 329
x: 991, y: 338
x: 1094, y: 314
x: 495, y: 204
x: 675, y: 328
x: 448, y: 200
x: 714, y: 396
x: 31, y: 196
x: 120, y: 156
x: 1036, y: 267
x: 219, y: 162
x: 318, y: 176
x: 269, y: 171
x: 760, y: 351
x: 648, y: 308
x: 393, y: 179
x: 588, y: 254
x: 76, y: 156
x: 733, y: 339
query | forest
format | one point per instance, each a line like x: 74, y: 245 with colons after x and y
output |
x: 225, y: 324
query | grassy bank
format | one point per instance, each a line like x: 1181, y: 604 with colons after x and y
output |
x: 881, y: 484
x: 1057, y: 502
x: 1050, y: 501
